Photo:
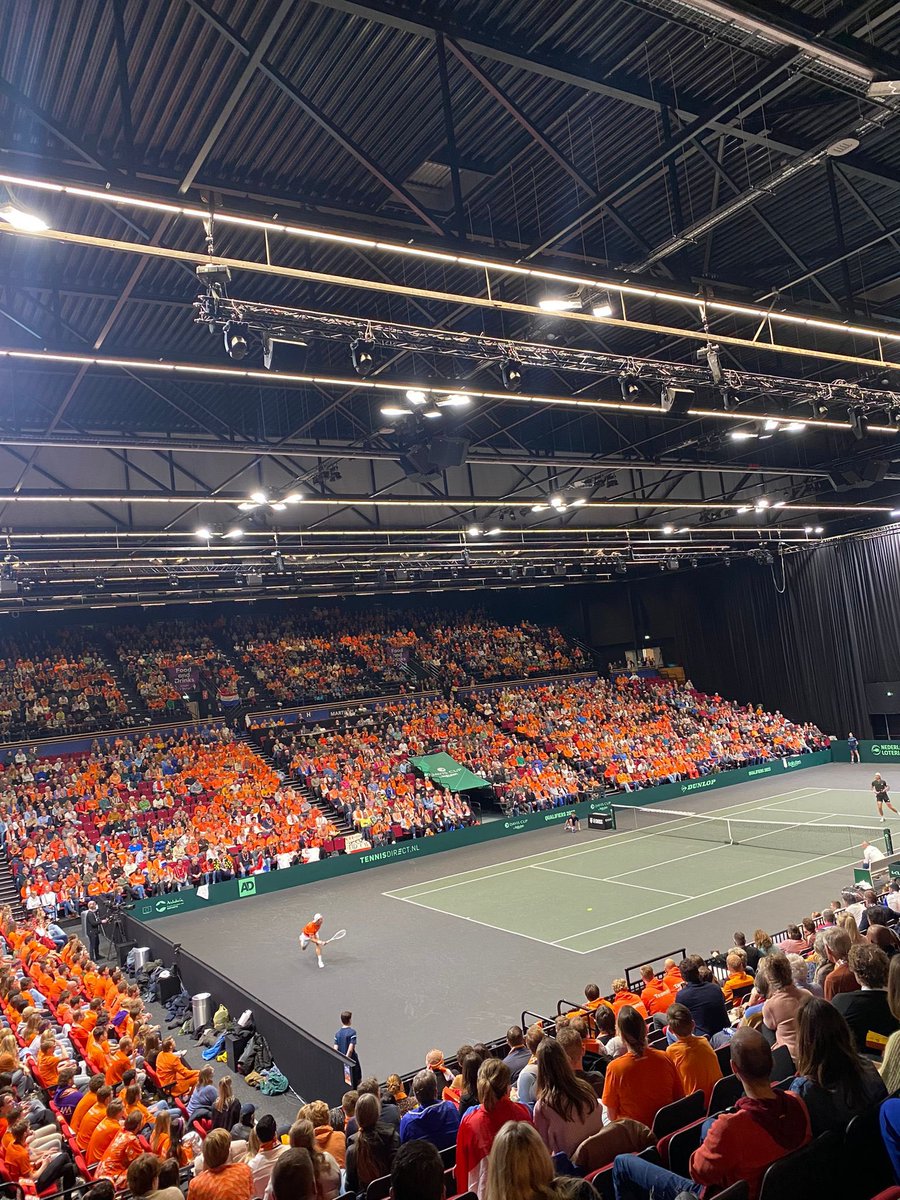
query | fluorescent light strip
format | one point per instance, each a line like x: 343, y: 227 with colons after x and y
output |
x: 460, y: 502
x: 354, y: 383
x: 195, y: 213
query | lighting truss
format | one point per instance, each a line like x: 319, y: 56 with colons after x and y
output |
x: 295, y: 324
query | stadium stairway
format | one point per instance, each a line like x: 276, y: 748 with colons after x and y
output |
x: 136, y: 707
x: 338, y: 820
x: 245, y: 683
x: 9, y: 893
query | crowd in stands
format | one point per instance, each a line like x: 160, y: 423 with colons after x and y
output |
x: 151, y: 813
x: 641, y: 732
x: 753, y: 1054
x: 59, y: 685
x: 157, y: 656
x: 748, y: 1055
x: 363, y: 770
x: 476, y: 649
x: 299, y: 660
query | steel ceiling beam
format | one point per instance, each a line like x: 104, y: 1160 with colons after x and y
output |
x: 254, y: 58
x: 316, y: 114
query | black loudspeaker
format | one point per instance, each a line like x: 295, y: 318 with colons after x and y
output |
x: 415, y: 463
x: 235, y: 1044
x: 169, y: 986
x: 846, y: 480
x: 874, y: 470
x: 438, y: 454
x: 447, y: 452
x: 123, y: 950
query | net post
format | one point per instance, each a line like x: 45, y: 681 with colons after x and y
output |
x: 888, y: 841
x: 729, y: 831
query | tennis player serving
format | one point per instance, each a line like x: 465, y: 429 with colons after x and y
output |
x: 880, y: 788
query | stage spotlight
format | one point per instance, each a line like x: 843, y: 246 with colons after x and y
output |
x: 203, y: 531
x: 629, y: 386
x: 511, y: 374
x: 859, y: 422
x: 894, y: 415
x: 362, y: 354
x: 236, y: 336
x: 416, y: 397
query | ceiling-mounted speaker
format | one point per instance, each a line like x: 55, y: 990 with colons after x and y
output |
x: 845, y: 480
x: 415, y: 463
x: 445, y: 452
x: 874, y: 470
x: 281, y: 355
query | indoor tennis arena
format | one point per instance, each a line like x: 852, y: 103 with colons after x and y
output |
x: 449, y: 557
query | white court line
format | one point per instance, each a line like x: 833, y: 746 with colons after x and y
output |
x: 486, y: 924
x: 679, y: 920
x: 702, y: 895
x: 561, y: 853
x: 594, y: 879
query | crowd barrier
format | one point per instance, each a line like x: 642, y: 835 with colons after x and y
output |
x: 345, y: 864
x: 299, y: 1055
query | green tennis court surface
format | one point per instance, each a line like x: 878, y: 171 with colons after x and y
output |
x: 596, y: 889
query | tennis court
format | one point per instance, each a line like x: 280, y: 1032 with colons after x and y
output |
x: 602, y: 888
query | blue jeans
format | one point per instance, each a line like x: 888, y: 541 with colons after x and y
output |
x: 635, y: 1179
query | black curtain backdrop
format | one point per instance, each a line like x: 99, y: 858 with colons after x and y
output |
x: 808, y: 652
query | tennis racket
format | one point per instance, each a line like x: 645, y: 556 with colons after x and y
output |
x: 335, y: 937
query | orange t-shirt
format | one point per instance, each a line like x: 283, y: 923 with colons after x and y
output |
x: 90, y: 1122
x: 87, y: 1101
x: 639, y: 1087
x: 312, y: 928
x: 697, y: 1065
x: 18, y: 1161
x: 102, y: 1138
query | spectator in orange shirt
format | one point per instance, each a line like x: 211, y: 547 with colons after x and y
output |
x: 622, y: 997
x: 172, y: 1072
x: 42, y: 1170
x: 93, y: 1117
x: 121, y: 1151
x: 106, y: 1130
x: 737, y: 976
x: 642, y: 1081
x: 656, y: 995
x: 87, y: 1102
x: 120, y: 1062
x: 694, y: 1058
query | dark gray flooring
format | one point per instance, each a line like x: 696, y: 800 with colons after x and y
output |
x: 415, y: 978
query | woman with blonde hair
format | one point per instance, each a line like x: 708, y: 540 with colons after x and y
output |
x: 302, y: 1136
x: 330, y: 1141
x: 480, y: 1125
x: 846, y: 921
x: 520, y: 1168
x: 226, y: 1110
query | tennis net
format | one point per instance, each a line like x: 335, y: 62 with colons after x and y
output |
x: 797, y: 837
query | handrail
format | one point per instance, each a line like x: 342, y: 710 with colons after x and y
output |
x: 524, y: 1021
x: 678, y: 955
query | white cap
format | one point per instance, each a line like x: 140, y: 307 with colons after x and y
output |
x: 317, y: 917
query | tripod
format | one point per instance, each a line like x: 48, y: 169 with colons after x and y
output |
x: 116, y: 933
